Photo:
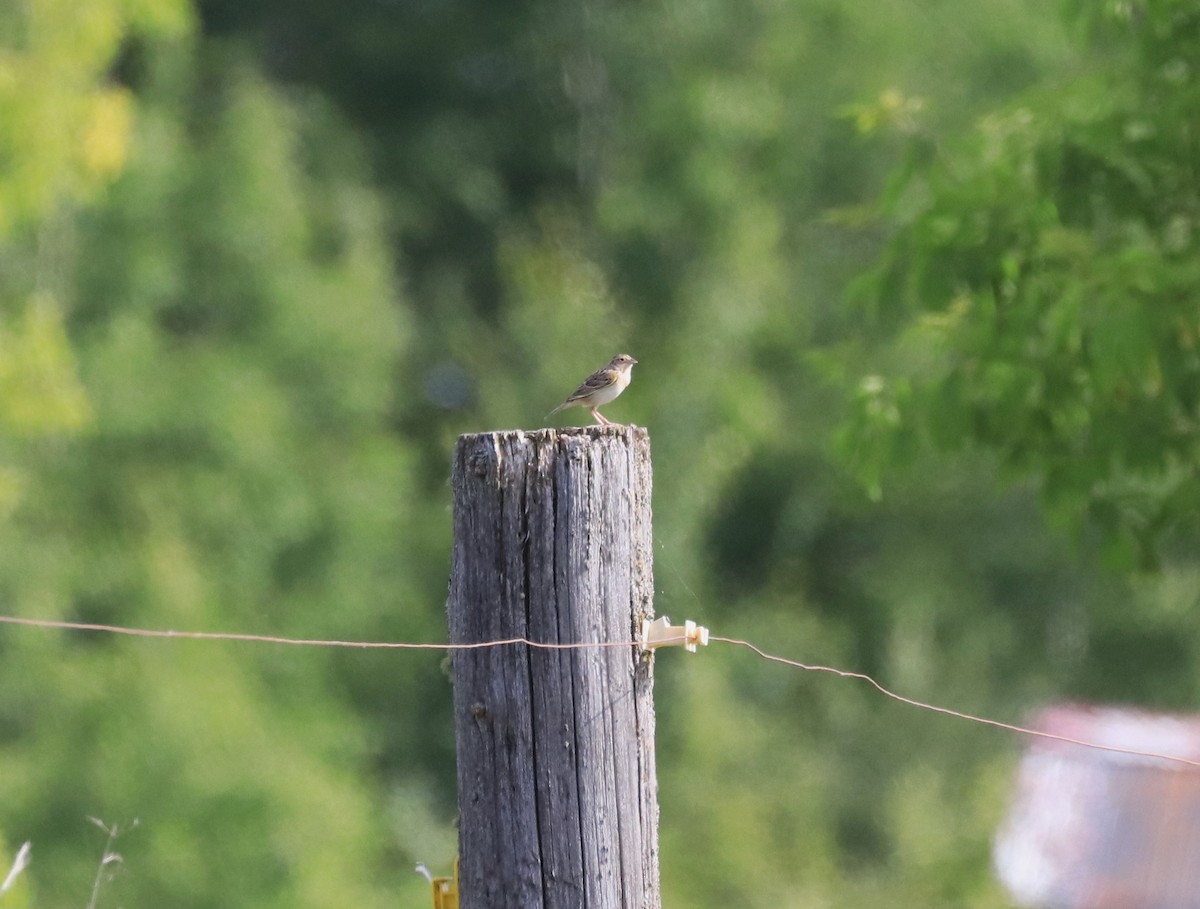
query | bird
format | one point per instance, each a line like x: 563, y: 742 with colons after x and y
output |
x: 601, y: 387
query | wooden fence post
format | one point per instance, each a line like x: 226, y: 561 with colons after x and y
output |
x: 558, y: 802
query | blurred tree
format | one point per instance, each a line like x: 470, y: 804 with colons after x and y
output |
x: 236, y: 324
x: 464, y: 104
x: 64, y: 126
x: 65, y: 129
x: 1044, y: 273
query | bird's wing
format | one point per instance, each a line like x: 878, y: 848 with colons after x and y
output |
x: 601, y: 378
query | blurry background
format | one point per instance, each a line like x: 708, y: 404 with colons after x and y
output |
x: 913, y: 290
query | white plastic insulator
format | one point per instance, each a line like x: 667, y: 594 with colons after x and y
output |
x: 661, y: 633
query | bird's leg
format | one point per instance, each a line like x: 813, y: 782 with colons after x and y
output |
x: 599, y: 416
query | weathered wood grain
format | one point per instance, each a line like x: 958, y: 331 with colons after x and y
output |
x: 558, y: 804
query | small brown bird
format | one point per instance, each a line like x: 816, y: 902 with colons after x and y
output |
x: 601, y: 387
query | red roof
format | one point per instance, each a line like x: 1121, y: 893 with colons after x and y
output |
x: 1091, y: 829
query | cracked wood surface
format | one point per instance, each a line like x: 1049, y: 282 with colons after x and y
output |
x: 558, y: 804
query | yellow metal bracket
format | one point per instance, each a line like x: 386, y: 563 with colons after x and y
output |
x: 445, y: 889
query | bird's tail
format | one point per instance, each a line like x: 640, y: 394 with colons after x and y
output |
x: 556, y: 410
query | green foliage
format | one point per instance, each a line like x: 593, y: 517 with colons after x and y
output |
x: 64, y: 135
x: 236, y: 326
x: 40, y: 394
x: 64, y: 130
x: 221, y: 414
x: 1046, y: 271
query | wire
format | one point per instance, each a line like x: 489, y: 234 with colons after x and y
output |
x: 946, y: 711
x: 578, y: 645
x: 300, y: 642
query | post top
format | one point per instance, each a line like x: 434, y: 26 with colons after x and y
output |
x: 550, y: 434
